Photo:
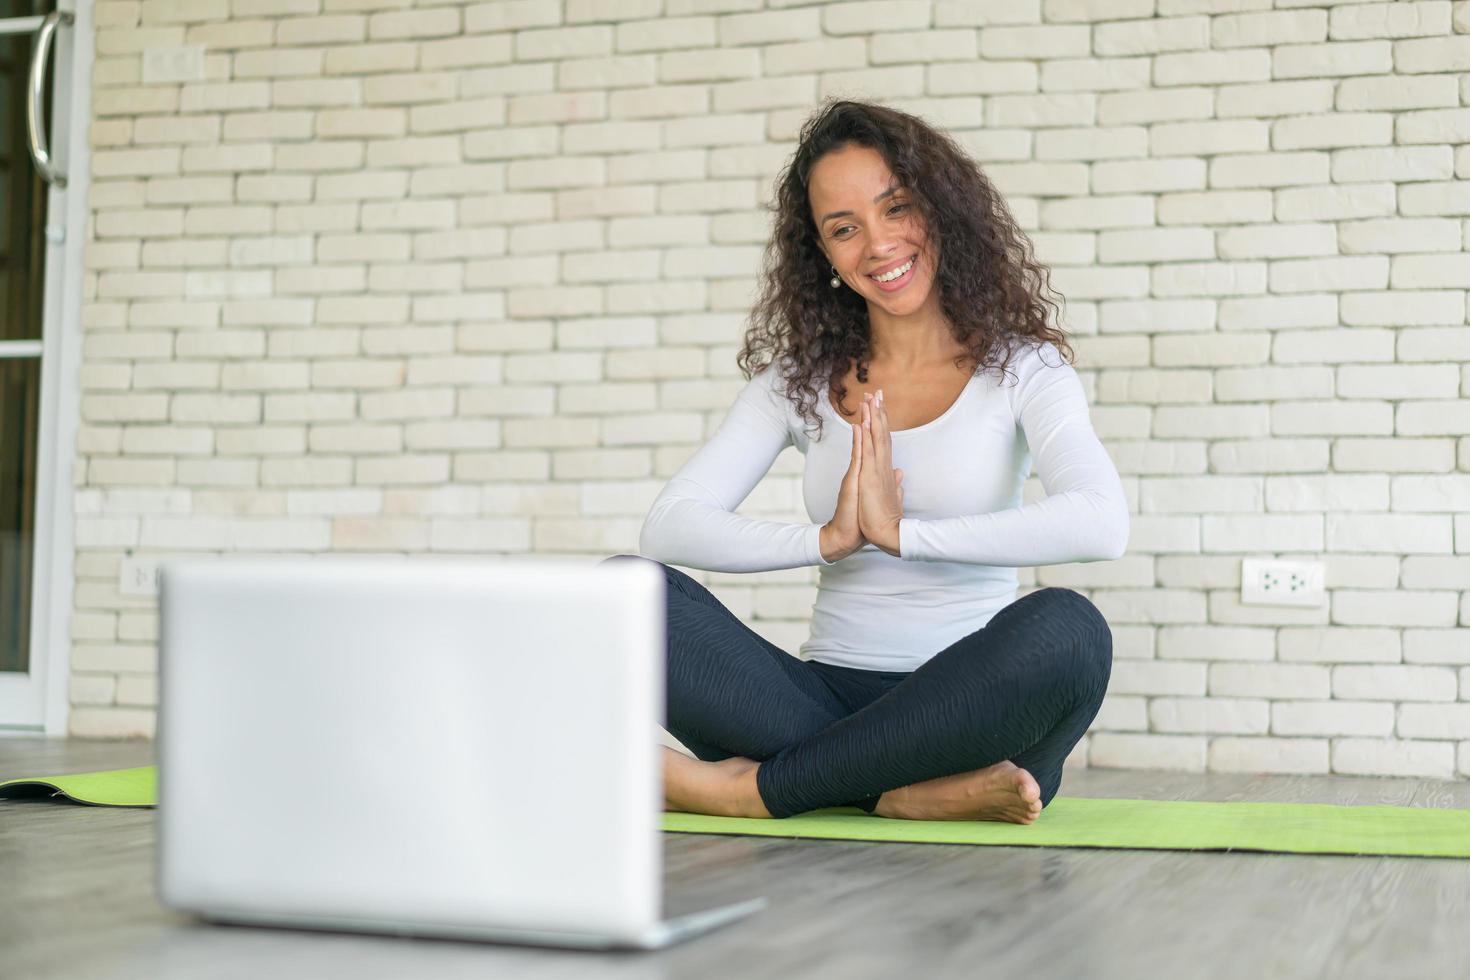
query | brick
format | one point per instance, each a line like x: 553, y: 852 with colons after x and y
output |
x: 1279, y: 240
x: 923, y: 46
x: 1432, y: 493
x: 1215, y: 643
x: 1338, y: 717
x: 1163, y: 105
x: 1151, y: 36
x: 1151, y: 751
x: 1432, y: 54
x: 1390, y: 757
x: 267, y: 126
x: 1435, y: 199
x: 1332, y: 59
x: 1398, y: 381
x: 1435, y: 645
x: 328, y: 29
x: 1409, y: 272
x: 1269, y: 680
x: 959, y: 13
x: 1235, y: 716
x: 869, y: 16
x: 356, y: 438
x: 1275, y: 456
x: 1408, y: 92
x: 1398, y: 235
x: 1209, y: 278
x: 1268, y: 29
x: 1334, y: 492
x: 1433, y: 721
x: 1082, y: 10
x: 1032, y: 42
x: 1216, y: 137
x: 1429, y: 125
x: 1156, y: 175
x: 1317, y: 275
x: 1157, y: 678
x: 1411, y: 19
x: 1271, y: 99
x: 502, y: 15
x: 1269, y: 169
x: 1433, y: 417
x: 1214, y: 207
x: 1338, y: 129
x: 414, y: 23
x: 1211, y: 67
x: 1269, y: 755
x: 1392, y: 455
x: 112, y: 722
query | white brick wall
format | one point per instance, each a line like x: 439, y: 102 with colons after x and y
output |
x: 471, y: 278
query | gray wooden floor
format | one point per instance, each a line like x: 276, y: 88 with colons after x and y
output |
x: 77, y: 901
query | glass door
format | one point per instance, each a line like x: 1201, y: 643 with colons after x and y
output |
x: 28, y: 173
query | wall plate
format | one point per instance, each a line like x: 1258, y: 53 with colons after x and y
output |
x: 1275, y: 582
x: 138, y: 576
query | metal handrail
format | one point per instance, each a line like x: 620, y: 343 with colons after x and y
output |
x: 20, y: 348
x: 40, y: 54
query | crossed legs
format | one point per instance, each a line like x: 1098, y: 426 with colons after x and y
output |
x: 1016, y: 694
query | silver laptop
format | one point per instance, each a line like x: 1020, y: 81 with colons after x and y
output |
x: 461, y: 749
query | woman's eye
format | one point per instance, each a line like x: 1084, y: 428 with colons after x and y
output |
x: 839, y: 231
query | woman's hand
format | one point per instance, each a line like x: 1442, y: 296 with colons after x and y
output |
x: 841, y: 536
x: 880, y: 493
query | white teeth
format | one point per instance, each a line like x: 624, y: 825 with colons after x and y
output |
x: 896, y: 273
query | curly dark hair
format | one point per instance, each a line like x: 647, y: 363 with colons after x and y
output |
x: 990, y: 286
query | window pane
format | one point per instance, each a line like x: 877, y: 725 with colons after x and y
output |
x: 20, y: 385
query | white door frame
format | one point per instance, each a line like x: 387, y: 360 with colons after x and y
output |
x: 53, y: 567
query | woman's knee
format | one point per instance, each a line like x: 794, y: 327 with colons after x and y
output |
x: 1079, y: 609
x: 1090, y: 624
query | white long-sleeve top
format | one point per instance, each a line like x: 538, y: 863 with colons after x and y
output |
x: 964, y: 530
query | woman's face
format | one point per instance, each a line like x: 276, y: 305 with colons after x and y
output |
x: 868, y: 225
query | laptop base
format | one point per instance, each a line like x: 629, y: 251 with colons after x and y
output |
x: 660, y: 935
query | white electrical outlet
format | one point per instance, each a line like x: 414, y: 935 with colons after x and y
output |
x: 1271, y: 582
x: 138, y: 576
x: 174, y: 63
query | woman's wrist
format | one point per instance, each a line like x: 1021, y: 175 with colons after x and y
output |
x: 824, y: 545
x: 887, y: 539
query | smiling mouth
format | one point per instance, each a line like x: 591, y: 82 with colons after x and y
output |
x: 890, y: 274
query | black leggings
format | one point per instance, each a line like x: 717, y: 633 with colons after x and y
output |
x: 1023, y: 687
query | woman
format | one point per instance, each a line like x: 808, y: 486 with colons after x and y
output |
x: 898, y: 295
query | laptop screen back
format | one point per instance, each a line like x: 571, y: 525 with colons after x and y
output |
x: 414, y: 742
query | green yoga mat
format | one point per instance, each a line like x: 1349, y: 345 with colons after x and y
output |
x: 1169, y: 825
x: 1069, y: 821
x: 115, y: 787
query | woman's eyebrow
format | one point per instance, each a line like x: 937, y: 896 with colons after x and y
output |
x: 839, y: 214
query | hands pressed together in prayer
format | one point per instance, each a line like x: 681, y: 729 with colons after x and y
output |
x: 870, y: 500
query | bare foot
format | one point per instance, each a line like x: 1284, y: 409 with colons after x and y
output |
x: 724, y: 789
x: 1003, y: 791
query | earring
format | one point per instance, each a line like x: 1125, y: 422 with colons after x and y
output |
x: 836, y: 279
